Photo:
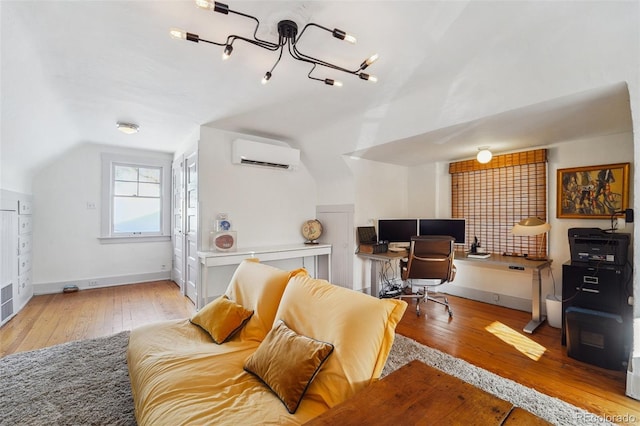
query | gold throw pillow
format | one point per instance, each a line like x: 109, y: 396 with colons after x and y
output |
x: 287, y: 363
x: 221, y: 318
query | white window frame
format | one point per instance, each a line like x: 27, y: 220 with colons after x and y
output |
x: 106, y: 220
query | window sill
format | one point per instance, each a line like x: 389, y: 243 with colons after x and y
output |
x: 128, y: 239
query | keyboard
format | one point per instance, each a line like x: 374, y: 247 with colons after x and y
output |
x: 479, y: 255
x: 397, y: 249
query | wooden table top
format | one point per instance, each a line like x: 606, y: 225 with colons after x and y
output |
x: 419, y: 394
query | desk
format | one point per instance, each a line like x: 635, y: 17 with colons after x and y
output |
x: 209, y: 259
x: 498, y: 261
x: 495, y: 261
x: 418, y: 394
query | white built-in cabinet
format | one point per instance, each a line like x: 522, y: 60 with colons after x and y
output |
x: 15, y: 253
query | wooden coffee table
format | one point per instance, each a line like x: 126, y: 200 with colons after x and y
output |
x: 419, y: 394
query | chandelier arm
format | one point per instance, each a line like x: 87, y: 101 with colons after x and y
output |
x: 337, y: 33
x: 231, y: 38
x: 255, y: 31
x: 314, y: 78
x: 319, y: 61
x: 327, y: 81
x: 278, y: 61
x: 306, y: 58
x: 211, y: 42
x: 294, y: 55
x: 311, y: 24
x: 265, y: 45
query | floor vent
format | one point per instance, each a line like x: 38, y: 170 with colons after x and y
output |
x: 6, y: 299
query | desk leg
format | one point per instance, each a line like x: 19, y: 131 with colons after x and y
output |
x: 536, y: 299
x: 202, y: 290
x: 374, y: 278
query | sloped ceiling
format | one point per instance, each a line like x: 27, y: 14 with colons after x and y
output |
x: 518, y: 74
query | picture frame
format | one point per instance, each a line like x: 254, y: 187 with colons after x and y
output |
x: 592, y: 192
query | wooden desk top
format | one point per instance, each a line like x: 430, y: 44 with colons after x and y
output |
x: 495, y: 260
x: 419, y: 394
x: 502, y: 262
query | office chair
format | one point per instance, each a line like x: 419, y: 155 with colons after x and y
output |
x: 430, y: 258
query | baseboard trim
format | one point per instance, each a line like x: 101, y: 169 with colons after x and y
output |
x: 633, y: 378
x: 512, y: 302
x: 85, y: 284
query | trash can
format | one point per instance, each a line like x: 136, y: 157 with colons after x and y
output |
x: 554, y: 310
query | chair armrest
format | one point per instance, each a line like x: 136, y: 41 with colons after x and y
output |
x: 452, y: 274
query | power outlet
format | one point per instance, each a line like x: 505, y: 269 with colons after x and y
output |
x: 496, y: 297
x: 163, y: 267
x: 93, y: 283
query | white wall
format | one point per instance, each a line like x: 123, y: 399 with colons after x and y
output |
x: 66, y: 249
x: 429, y: 191
x: 265, y: 206
x: 380, y: 192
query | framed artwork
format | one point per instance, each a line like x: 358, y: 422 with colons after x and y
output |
x: 593, y: 192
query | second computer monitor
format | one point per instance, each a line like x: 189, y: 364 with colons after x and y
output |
x: 452, y: 227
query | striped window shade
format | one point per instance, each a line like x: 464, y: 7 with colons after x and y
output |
x: 493, y: 197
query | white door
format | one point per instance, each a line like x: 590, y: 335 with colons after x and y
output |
x: 177, y: 224
x: 337, y: 225
x: 191, y: 226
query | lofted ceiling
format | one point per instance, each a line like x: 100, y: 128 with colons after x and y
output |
x: 511, y: 75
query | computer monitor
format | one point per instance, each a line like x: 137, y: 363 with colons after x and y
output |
x: 397, y: 231
x: 452, y: 227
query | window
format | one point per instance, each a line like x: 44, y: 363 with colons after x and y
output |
x: 495, y: 196
x: 135, y: 199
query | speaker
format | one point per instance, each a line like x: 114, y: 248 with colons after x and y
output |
x: 628, y: 215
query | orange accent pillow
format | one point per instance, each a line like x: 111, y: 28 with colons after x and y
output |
x: 287, y: 363
x: 221, y: 318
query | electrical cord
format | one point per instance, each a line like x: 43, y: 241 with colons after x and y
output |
x: 388, y: 279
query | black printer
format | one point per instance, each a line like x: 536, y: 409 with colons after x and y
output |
x: 596, y: 245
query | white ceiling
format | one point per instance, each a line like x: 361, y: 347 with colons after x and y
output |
x: 506, y: 74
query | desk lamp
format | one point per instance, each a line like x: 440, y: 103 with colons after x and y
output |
x: 529, y: 227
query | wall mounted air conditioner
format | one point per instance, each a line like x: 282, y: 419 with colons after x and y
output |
x: 265, y: 155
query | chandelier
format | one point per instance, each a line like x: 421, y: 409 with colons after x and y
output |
x: 288, y: 37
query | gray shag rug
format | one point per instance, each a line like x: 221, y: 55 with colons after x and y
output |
x: 87, y: 383
x: 78, y: 383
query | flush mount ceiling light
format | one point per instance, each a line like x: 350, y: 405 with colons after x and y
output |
x: 287, y: 37
x: 484, y: 155
x: 127, y: 128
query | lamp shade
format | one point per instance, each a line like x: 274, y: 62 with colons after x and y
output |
x: 530, y: 226
x: 484, y: 156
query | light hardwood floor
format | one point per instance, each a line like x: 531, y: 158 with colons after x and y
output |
x: 488, y: 336
x: 57, y: 318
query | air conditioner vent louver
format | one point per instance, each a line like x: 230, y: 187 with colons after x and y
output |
x: 264, y: 155
x: 263, y: 163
